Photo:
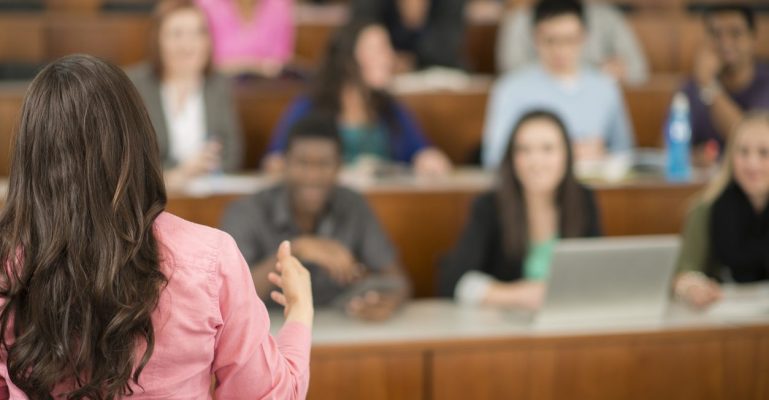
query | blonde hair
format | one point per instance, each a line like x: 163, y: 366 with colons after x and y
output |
x: 726, y: 172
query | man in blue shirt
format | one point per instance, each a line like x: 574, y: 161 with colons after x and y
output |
x: 589, y: 102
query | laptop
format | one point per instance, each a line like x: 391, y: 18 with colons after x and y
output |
x: 609, y: 281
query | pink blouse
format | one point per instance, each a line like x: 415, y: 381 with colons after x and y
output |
x: 209, y: 320
x: 267, y: 36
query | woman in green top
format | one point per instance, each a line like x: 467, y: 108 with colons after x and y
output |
x: 726, y: 236
x: 503, y: 255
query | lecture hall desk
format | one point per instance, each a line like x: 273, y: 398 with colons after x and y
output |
x: 424, y: 217
x: 434, y: 349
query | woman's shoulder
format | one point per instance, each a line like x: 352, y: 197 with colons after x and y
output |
x: 185, y: 240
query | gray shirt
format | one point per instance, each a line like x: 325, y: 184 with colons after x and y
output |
x: 260, y: 222
x: 609, y: 36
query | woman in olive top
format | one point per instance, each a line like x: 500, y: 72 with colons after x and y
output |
x: 726, y: 237
x: 504, y: 253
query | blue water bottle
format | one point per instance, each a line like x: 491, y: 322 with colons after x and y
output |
x: 678, y: 136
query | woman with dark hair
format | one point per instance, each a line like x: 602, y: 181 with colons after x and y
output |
x: 191, y: 106
x: 352, y: 85
x: 504, y: 253
x: 425, y: 33
x: 104, y: 295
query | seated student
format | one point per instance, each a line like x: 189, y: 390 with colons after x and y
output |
x: 251, y: 37
x: 727, y: 80
x: 504, y: 253
x: 727, y: 234
x: 352, y: 86
x: 103, y: 295
x: 332, y: 229
x: 425, y: 33
x: 191, y: 107
x: 590, y: 102
x: 611, y: 44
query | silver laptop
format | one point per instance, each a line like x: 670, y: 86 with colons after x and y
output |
x: 609, y: 280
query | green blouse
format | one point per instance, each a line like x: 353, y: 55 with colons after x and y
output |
x: 536, y: 266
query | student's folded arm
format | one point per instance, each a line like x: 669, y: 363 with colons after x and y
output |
x: 248, y: 361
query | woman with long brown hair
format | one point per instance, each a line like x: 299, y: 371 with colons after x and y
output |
x: 352, y: 86
x: 105, y: 295
x: 504, y: 254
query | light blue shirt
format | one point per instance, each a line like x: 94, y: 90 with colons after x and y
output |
x: 590, y: 106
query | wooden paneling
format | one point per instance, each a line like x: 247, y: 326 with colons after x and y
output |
x: 260, y: 109
x: 122, y: 39
x: 692, y: 366
x: 506, y: 373
x: 9, y: 109
x: 22, y: 38
x: 638, y: 210
x: 453, y: 121
x: 374, y: 376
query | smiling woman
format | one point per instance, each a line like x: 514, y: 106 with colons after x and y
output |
x: 504, y: 253
x: 727, y: 234
x: 191, y: 107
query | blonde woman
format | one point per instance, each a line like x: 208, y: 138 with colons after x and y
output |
x: 726, y: 236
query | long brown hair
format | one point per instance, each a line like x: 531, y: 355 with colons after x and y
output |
x: 163, y: 10
x: 81, y: 273
x: 570, y: 196
x: 340, y: 67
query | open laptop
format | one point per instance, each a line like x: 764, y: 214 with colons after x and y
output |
x: 609, y: 280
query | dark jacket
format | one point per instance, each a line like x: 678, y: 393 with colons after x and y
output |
x: 481, y: 246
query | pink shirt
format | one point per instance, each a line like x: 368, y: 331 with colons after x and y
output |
x: 209, y: 320
x: 267, y: 36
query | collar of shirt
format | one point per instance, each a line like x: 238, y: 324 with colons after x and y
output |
x: 283, y: 219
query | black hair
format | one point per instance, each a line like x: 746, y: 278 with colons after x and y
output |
x: 746, y: 12
x: 317, y: 125
x: 547, y: 9
x: 340, y: 67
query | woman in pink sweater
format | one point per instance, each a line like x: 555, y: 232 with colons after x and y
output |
x: 253, y: 37
x: 104, y: 295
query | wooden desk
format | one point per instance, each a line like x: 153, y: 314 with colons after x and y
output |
x: 424, y: 218
x: 434, y: 349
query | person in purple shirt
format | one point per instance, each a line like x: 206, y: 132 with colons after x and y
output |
x: 727, y: 80
x: 352, y: 86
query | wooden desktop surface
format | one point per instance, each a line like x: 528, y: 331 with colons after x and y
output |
x: 434, y: 349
